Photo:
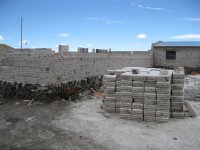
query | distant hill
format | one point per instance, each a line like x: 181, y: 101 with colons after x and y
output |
x: 5, y: 47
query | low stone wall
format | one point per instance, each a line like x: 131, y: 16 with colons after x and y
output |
x: 50, y: 92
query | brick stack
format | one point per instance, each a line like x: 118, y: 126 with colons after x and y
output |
x: 163, y: 91
x: 150, y: 99
x: 126, y: 96
x: 138, y: 97
x: 109, y: 94
x: 177, y: 96
x: 146, y: 94
x: 118, y: 90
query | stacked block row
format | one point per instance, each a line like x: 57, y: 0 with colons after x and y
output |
x: 126, y: 96
x: 163, y: 92
x: 177, y: 96
x: 138, y: 97
x: 150, y: 98
x: 109, y: 94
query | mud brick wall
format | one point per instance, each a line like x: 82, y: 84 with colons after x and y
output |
x: 152, y: 96
x: 43, y: 67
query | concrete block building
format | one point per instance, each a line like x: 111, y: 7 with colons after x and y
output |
x: 173, y: 54
x: 82, y: 50
x: 63, y: 48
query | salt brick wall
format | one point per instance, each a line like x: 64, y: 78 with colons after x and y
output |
x: 47, y: 67
x: 185, y: 56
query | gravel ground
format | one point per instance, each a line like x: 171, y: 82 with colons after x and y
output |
x: 84, y: 126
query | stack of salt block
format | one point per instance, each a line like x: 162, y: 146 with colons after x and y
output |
x: 177, y: 96
x: 126, y: 96
x: 109, y: 93
x: 150, y: 98
x: 118, y: 90
x: 163, y: 91
x: 138, y: 97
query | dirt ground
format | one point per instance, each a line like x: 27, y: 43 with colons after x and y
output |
x: 84, y: 126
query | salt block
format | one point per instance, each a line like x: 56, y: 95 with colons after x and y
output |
x: 163, y: 78
x: 126, y: 88
x: 110, y: 78
x: 125, y: 111
x: 137, y: 106
x: 163, y: 96
x: 149, y: 89
x: 149, y: 95
x: 140, y: 78
x: 110, y: 84
x: 178, y: 81
x: 138, y: 83
x: 163, y: 85
x: 126, y: 83
x: 125, y: 105
x: 177, y: 115
x: 126, y: 99
x: 126, y: 93
x: 163, y: 91
x: 125, y: 116
x: 138, y: 89
x: 177, y: 86
x: 138, y: 95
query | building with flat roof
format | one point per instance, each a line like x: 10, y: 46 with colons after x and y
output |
x: 177, y: 53
x: 63, y: 48
x: 82, y: 50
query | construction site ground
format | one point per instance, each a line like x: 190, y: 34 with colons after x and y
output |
x: 83, y: 125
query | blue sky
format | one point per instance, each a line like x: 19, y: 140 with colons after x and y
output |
x: 116, y: 24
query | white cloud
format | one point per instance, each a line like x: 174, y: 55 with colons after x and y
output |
x: 187, y: 36
x: 1, y: 37
x: 114, y: 22
x: 141, y: 36
x: 193, y: 19
x: 89, y: 45
x: 149, y: 7
x: 64, y: 35
x: 106, y: 20
x: 97, y: 18
x: 59, y: 44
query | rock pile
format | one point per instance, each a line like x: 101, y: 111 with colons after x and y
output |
x: 48, y: 92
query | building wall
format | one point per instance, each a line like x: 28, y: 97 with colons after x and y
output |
x: 185, y: 57
x: 48, y: 67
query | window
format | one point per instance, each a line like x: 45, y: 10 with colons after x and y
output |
x: 170, y: 54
